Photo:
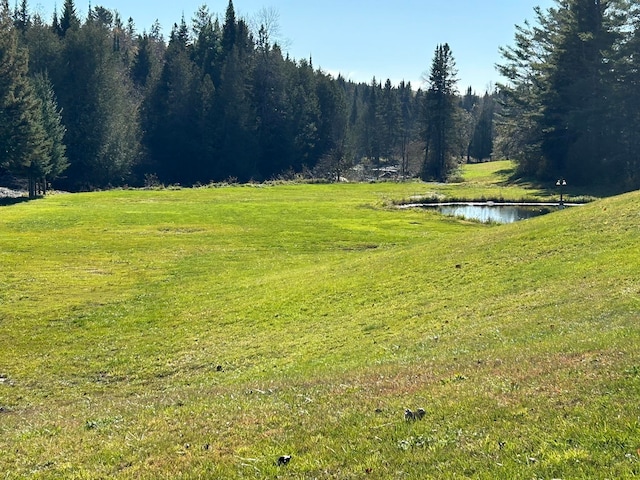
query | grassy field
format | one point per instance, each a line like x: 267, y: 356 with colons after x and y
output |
x: 205, y: 333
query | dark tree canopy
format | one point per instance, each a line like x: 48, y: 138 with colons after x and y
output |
x: 569, y: 105
x: 219, y: 100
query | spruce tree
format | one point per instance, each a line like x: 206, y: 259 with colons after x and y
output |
x: 54, y: 129
x: 166, y: 112
x: 69, y: 18
x: 269, y: 94
x: 371, y: 126
x: 237, y: 136
x: 229, y: 29
x: 389, y: 121
x: 207, y: 44
x: 407, y: 122
x: 440, y: 115
x: 22, y: 19
x: 55, y: 25
x: 304, y: 110
x: 624, y: 160
x: 141, y: 67
x: 24, y: 145
x: 332, y: 122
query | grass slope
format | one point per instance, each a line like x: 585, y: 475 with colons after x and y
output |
x: 204, y: 333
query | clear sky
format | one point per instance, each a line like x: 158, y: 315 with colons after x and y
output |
x: 361, y: 39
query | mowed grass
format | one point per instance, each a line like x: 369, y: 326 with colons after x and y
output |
x: 204, y: 333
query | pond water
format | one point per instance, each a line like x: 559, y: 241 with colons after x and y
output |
x: 492, y: 212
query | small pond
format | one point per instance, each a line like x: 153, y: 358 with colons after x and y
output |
x: 493, y: 212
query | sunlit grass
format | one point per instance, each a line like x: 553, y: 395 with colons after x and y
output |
x: 204, y: 333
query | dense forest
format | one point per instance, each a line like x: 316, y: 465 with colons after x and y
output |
x: 93, y: 103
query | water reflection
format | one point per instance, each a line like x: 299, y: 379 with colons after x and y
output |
x: 497, y: 213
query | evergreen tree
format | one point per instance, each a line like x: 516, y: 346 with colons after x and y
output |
x: 100, y: 15
x: 142, y: 66
x: 44, y: 46
x: 99, y: 109
x: 624, y: 161
x: 469, y: 116
x: 207, y: 45
x: 274, y: 131
x: 304, y: 110
x: 157, y: 43
x: 169, y: 118
x: 229, y: 29
x: 561, y: 106
x: 519, y: 124
x: 469, y: 100
x: 371, y: 126
x: 237, y: 135
x: 389, y: 121
x: 24, y: 145
x: 69, y: 18
x: 407, y: 125
x: 55, y: 25
x: 22, y: 19
x: 574, y: 98
x: 481, y: 146
x: 332, y: 123
x: 440, y: 114
x: 57, y: 161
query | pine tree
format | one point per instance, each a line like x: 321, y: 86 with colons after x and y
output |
x: 440, y: 114
x: 519, y: 124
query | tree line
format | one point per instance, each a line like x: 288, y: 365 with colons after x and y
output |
x: 218, y: 101
x: 92, y: 103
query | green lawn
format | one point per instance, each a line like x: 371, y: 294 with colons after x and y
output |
x: 203, y: 333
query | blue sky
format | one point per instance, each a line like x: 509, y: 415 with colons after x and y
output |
x: 362, y: 38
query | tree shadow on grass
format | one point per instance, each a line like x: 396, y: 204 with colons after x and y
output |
x: 8, y: 201
x: 549, y: 188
